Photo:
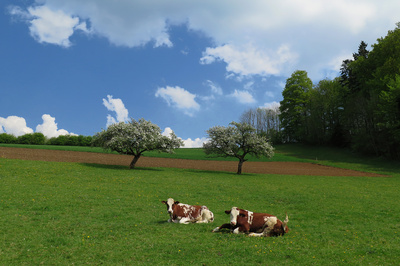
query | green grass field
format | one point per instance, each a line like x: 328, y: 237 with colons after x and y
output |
x: 70, y: 213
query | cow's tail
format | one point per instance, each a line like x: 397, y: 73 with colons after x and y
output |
x: 284, y: 224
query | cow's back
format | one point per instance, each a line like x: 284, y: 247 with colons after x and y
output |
x: 187, y: 211
x: 259, y: 221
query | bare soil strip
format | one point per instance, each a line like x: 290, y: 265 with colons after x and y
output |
x: 284, y: 168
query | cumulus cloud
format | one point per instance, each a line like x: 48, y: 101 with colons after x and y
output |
x: 14, y: 125
x: 167, y: 132
x: 262, y: 38
x: 179, y: 98
x: 189, y: 143
x: 50, y: 129
x: 250, y: 60
x: 50, y: 26
x: 117, y: 106
x: 243, y: 97
x: 196, y: 143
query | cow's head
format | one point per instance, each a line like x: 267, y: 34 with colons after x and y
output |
x: 234, y: 214
x: 170, y: 202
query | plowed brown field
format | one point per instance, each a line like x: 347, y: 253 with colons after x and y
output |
x: 285, y: 168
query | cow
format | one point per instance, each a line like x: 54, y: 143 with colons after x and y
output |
x: 254, y: 224
x: 184, y: 213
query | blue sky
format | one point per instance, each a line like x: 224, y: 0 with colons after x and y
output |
x: 74, y: 67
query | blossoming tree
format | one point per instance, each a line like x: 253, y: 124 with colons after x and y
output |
x: 135, y: 138
x: 237, y: 140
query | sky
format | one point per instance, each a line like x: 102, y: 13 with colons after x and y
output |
x: 77, y: 66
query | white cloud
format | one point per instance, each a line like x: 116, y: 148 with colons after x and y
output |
x: 272, y: 105
x: 215, y: 88
x: 216, y: 91
x: 196, y: 143
x: 17, y: 126
x: 14, y: 125
x: 179, y: 98
x: 248, y: 85
x: 249, y: 60
x: 50, y: 26
x: 264, y: 37
x: 189, y: 143
x: 50, y: 129
x: 243, y: 97
x: 117, y: 106
x: 167, y: 132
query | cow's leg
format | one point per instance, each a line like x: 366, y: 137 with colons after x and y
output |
x: 237, y: 231
x: 256, y: 234
x: 242, y: 229
x: 227, y: 226
x: 185, y: 220
x: 176, y: 220
x: 269, y: 226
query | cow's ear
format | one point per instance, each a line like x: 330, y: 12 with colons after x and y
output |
x: 176, y: 202
x: 228, y: 212
x: 163, y: 201
x: 242, y: 215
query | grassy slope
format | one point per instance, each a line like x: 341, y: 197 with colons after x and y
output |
x: 65, y: 213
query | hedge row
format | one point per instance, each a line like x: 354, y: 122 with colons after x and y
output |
x: 40, y: 139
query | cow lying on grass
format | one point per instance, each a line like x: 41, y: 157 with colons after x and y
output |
x: 254, y: 224
x: 184, y: 213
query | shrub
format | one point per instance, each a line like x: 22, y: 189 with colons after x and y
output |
x: 7, y: 138
x: 32, y: 138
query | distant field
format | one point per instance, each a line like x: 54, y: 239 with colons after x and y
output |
x: 182, y: 153
x: 336, y: 157
x: 70, y: 213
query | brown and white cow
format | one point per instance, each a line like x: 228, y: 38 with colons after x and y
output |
x: 254, y: 224
x: 184, y: 213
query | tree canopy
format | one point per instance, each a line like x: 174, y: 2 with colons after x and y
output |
x: 294, y: 106
x: 359, y: 109
x: 135, y: 138
x: 237, y: 140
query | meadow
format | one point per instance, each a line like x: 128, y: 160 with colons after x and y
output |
x: 72, y: 213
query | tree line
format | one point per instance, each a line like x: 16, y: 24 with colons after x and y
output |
x: 40, y: 139
x: 359, y: 109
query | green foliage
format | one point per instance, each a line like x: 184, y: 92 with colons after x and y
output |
x: 32, y: 138
x: 70, y: 213
x: 135, y: 138
x: 361, y: 109
x: 40, y: 139
x: 294, y: 106
x: 7, y: 138
x: 325, y: 109
x: 372, y: 109
x: 70, y: 140
x: 238, y: 140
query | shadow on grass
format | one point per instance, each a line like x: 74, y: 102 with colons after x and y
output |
x: 233, y: 174
x: 161, y: 222
x: 119, y: 167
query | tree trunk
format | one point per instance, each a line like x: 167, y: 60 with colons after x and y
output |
x: 135, y: 159
x: 239, y: 171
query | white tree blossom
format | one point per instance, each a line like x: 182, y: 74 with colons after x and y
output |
x: 237, y: 140
x: 135, y: 138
